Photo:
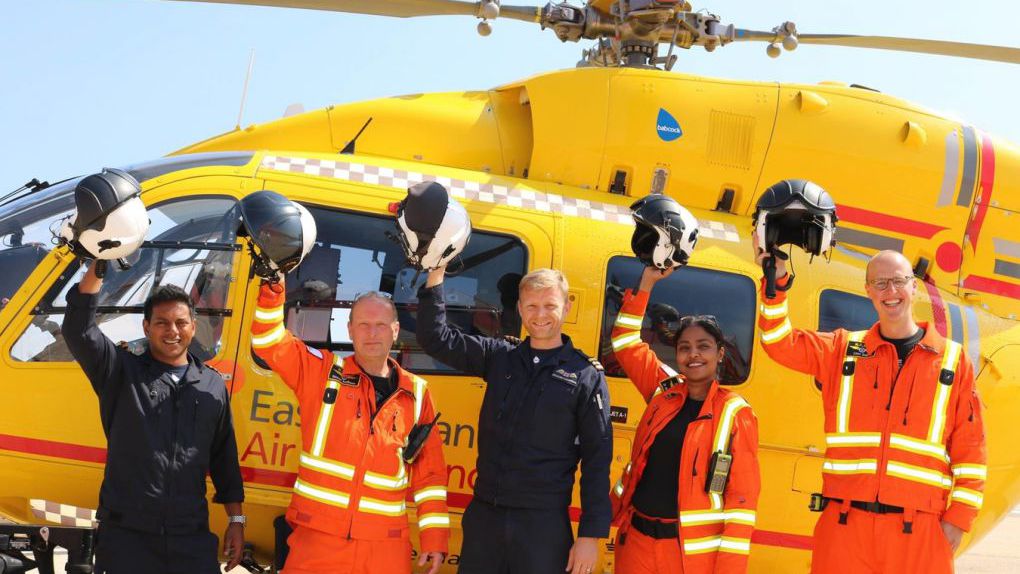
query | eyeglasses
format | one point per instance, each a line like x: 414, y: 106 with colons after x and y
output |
x: 883, y: 283
x: 376, y: 294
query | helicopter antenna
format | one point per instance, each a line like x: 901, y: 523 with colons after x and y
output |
x: 349, y: 148
x: 244, y: 92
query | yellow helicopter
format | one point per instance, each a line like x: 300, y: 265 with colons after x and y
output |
x: 547, y: 177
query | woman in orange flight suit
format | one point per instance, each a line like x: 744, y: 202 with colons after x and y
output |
x: 669, y: 520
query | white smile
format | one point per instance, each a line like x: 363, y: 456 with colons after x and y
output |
x: 171, y: 341
x: 695, y: 365
x: 892, y: 302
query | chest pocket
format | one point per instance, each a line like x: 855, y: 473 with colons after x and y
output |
x: 554, y: 424
x: 205, y: 412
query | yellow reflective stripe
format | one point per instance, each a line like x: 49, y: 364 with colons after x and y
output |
x: 852, y: 439
x: 918, y: 474
x: 269, y: 314
x: 742, y: 516
x: 269, y: 338
x: 978, y: 471
x: 386, y: 482
x: 322, y: 425
x: 910, y: 444
x: 860, y: 466
x: 968, y: 497
x: 784, y: 329
x: 373, y: 506
x: 735, y: 545
x: 430, y: 493
x: 323, y: 495
x: 846, y: 388
x: 950, y: 361
x: 702, y: 545
x: 722, y: 430
x: 700, y: 517
x: 327, y: 466
x: 626, y: 340
x: 629, y: 321
x: 434, y: 520
x: 774, y: 311
x: 419, y: 396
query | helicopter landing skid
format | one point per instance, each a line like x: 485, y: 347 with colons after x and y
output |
x: 18, y: 539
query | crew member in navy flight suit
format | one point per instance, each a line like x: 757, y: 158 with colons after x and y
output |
x: 167, y: 422
x: 546, y: 408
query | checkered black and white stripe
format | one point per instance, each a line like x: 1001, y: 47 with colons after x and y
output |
x: 63, y: 514
x: 514, y: 196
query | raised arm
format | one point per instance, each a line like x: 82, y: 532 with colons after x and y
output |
x: 95, y: 352
x: 285, y: 354
x: 468, y: 353
x: 642, y: 366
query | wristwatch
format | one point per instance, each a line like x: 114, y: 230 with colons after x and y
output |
x: 240, y: 519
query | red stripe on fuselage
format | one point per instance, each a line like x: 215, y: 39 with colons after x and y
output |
x: 938, y: 309
x: 51, y: 448
x: 993, y: 286
x: 887, y: 222
x: 984, y: 197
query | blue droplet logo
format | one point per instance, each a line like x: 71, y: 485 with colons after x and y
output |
x: 667, y: 127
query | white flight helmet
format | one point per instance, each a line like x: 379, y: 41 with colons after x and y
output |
x: 665, y: 232
x: 283, y: 232
x: 433, y: 227
x: 796, y: 212
x: 110, y: 221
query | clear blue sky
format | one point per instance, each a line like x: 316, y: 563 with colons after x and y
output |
x: 91, y: 83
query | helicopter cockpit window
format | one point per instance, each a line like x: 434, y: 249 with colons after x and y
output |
x: 25, y: 236
x: 354, y: 254
x: 689, y: 291
x: 191, y: 243
x: 841, y: 310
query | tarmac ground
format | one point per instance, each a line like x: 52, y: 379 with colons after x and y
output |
x: 998, y: 553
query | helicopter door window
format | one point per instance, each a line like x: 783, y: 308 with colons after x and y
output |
x: 354, y: 255
x: 191, y: 244
x: 690, y: 291
x: 842, y: 310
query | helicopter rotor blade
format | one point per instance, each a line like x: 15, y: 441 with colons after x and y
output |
x: 937, y: 47
x: 393, y: 8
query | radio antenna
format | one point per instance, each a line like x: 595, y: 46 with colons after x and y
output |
x: 244, y: 92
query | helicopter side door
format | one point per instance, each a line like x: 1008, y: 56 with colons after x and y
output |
x: 51, y: 439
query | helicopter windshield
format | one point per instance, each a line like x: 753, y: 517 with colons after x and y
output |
x: 28, y: 222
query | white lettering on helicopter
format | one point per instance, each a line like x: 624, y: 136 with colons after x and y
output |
x: 669, y: 129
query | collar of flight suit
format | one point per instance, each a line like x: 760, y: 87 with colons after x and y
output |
x: 565, y: 354
x: 932, y: 341
x: 404, y: 380
x: 679, y: 392
x: 195, y: 367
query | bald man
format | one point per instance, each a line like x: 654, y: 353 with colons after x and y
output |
x: 904, y: 466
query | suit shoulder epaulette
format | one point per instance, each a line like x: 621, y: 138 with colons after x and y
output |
x: 671, y: 382
x: 595, y: 363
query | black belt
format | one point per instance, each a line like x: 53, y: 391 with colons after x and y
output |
x: 654, y: 528
x: 875, y: 507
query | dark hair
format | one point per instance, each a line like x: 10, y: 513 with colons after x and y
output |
x: 168, y: 294
x: 707, y: 322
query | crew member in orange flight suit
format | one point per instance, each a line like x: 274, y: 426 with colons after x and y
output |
x: 904, y: 462
x: 348, y: 505
x: 690, y: 421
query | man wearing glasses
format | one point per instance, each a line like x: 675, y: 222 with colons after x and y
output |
x: 904, y: 465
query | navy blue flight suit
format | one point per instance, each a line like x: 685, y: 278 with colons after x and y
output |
x: 163, y: 437
x: 538, y: 420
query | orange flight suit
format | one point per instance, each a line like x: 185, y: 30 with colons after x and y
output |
x: 911, y: 439
x: 348, y: 508
x: 714, y: 531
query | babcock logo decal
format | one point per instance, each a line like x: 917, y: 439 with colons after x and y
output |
x: 667, y: 127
